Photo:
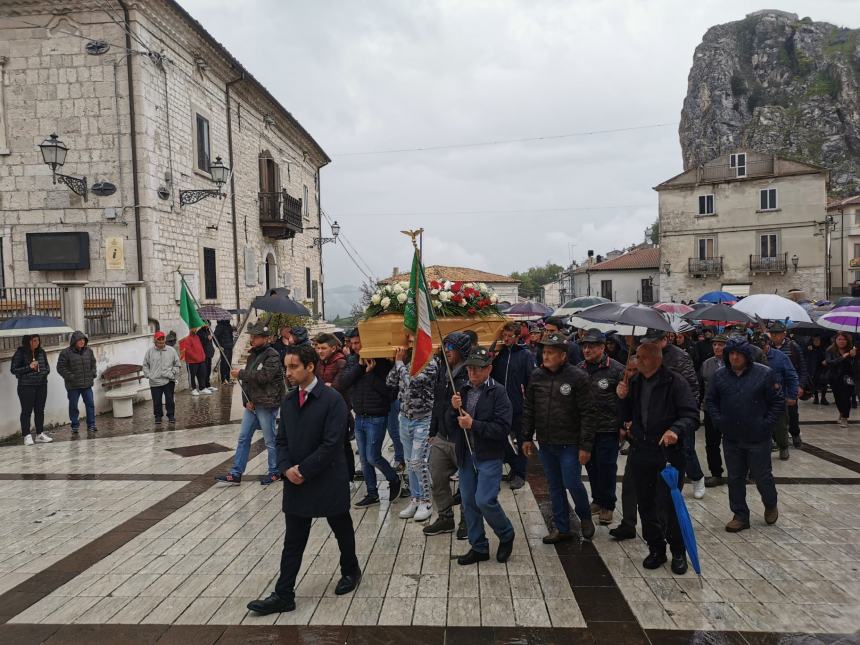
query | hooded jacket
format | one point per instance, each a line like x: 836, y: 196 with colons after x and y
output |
x: 672, y: 406
x: 559, y: 407
x: 512, y: 367
x: 300, y: 336
x: 786, y: 376
x: 604, y: 377
x: 161, y: 366
x: 620, y: 353
x: 263, y: 378
x: 415, y: 392
x: 77, y: 366
x: 491, y: 423
x: 744, y: 407
x: 20, y: 365
x: 224, y: 334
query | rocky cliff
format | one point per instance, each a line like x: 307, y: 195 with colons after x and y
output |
x: 777, y: 84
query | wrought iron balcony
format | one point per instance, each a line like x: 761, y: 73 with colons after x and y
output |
x: 705, y: 266
x: 280, y: 215
x: 769, y: 264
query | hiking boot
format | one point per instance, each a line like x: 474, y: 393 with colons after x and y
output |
x: 587, y: 528
x: 623, y: 532
x: 713, y: 482
x: 655, y: 559
x: 737, y: 524
x: 783, y: 454
x: 229, y: 478
x: 555, y: 537
x: 796, y: 441
x: 679, y: 564
x: 605, y: 517
x: 472, y: 557
x: 771, y: 515
x: 594, y: 508
x: 441, y: 525
x: 366, y: 501
x: 516, y: 482
x: 462, y: 531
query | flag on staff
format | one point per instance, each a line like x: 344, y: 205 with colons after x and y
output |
x: 417, y: 316
x: 187, y: 310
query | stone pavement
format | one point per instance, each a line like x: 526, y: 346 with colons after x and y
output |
x: 126, y: 527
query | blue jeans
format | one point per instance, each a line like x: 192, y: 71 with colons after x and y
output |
x: 563, y: 472
x: 479, y: 491
x: 416, y: 451
x: 602, y: 468
x: 369, y: 433
x: 393, y: 427
x: 74, y: 415
x: 264, y: 419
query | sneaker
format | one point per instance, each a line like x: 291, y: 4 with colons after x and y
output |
x: 408, y: 512
x: 441, y: 525
x: 211, y: 389
x: 517, y: 482
x: 699, y: 488
x: 28, y: 440
x: 796, y: 441
x: 43, y: 438
x: 771, y: 515
x: 605, y: 517
x: 425, y: 510
x: 171, y: 422
x: 265, y: 480
x: 843, y: 422
x: 713, y: 482
x: 74, y: 430
x: 594, y: 508
x: 737, y: 524
x: 92, y: 429
x: 207, y: 391
x: 783, y: 454
x: 229, y: 478
x: 366, y: 501
x: 195, y: 393
x: 462, y: 531
x: 158, y: 422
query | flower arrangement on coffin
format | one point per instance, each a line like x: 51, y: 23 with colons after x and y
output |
x: 449, y: 299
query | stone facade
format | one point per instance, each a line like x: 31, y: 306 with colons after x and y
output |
x: 717, y: 243
x: 845, y: 246
x: 179, y: 72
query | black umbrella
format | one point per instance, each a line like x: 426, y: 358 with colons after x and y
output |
x: 529, y: 309
x: 718, y: 313
x: 847, y: 301
x: 627, y: 314
x: 280, y: 305
x: 810, y: 329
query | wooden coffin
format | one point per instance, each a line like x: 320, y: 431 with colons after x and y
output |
x: 380, y: 335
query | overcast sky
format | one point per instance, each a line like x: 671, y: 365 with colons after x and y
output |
x: 394, y: 74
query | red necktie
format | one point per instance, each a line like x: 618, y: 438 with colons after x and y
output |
x: 302, y: 395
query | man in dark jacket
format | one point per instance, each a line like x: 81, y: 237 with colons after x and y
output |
x: 483, y: 410
x: 662, y: 412
x: 679, y: 361
x: 283, y: 341
x: 299, y: 336
x: 513, y: 365
x: 745, y: 404
x: 331, y: 358
x: 443, y: 428
x: 371, y: 398
x: 791, y: 349
x: 604, y: 375
x: 554, y: 325
x: 311, y: 459
x: 224, y: 336
x: 77, y: 365
x: 559, y: 410
x: 262, y: 390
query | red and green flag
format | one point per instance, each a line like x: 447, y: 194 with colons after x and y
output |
x: 417, y: 316
x: 187, y: 310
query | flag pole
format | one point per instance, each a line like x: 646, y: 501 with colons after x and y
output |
x: 413, y: 235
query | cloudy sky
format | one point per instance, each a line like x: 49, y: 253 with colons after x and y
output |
x: 367, y: 78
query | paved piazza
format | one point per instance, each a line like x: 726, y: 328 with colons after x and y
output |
x: 125, y: 538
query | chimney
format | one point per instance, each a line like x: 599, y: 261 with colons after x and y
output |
x: 395, y: 271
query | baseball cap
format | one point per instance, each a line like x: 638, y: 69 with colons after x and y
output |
x: 479, y: 357
x: 159, y: 335
x: 593, y: 336
x: 554, y: 339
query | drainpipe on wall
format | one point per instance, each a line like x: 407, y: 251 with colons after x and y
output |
x: 133, y: 134
x: 319, y: 217
x: 233, y: 188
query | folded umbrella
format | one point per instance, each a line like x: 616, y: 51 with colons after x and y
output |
x: 769, y: 306
x: 627, y: 314
x: 670, y: 476
x: 24, y: 325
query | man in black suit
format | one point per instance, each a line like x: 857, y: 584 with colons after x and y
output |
x: 312, y: 462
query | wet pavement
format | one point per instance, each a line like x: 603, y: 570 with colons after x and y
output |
x: 122, y: 536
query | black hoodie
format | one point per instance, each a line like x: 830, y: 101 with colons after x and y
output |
x: 21, y: 364
x: 77, y: 366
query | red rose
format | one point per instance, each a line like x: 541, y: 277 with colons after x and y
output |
x: 472, y: 310
x: 435, y: 285
x: 456, y: 287
x: 457, y: 298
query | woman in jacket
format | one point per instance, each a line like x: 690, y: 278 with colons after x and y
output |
x: 30, y: 367
x: 224, y: 336
x: 191, y: 351
x: 840, y: 361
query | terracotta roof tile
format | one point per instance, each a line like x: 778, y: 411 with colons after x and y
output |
x: 648, y: 258
x: 460, y: 274
x: 854, y: 200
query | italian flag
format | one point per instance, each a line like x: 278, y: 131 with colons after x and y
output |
x: 417, y: 316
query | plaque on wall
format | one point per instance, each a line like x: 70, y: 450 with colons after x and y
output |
x: 114, y: 254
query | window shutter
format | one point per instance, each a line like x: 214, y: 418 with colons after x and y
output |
x: 264, y: 188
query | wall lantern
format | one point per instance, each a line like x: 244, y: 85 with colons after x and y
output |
x: 795, y: 261
x: 319, y: 241
x: 667, y: 268
x: 220, y: 173
x: 54, y: 154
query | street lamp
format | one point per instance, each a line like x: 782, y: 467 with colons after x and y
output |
x: 319, y: 241
x: 795, y: 261
x: 54, y: 154
x: 220, y: 173
x: 667, y: 268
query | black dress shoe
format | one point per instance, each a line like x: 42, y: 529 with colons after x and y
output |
x: 654, y: 559
x: 505, y: 550
x: 796, y: 441
x: 623, y: 532
x: 473, y: 557
x: 679, y: 564
x: 272, y: 605
x: 347, y: 583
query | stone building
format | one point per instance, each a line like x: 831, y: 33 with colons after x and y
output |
x: 744, y: 223
x: 845, y: 245
x: 146, y: 99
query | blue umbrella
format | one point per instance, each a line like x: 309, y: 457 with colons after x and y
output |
x: 670, y: 476
x: 24, y: 325
x: 716, y: 297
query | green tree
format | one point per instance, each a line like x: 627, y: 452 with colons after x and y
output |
x: 655, y: 231
x: 533, y: 278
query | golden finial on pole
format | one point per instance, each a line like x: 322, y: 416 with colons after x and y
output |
x: 414, y: 234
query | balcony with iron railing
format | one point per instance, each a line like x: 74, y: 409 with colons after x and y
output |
x: 280, y: 215
x: 705, y: 266
x: 769, y: 264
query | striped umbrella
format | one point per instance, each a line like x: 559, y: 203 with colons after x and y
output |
x: 842, y: 319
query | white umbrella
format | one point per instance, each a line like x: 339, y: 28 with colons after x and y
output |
x: 769, y: 306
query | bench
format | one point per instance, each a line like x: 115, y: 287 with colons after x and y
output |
x: 121, y: 384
